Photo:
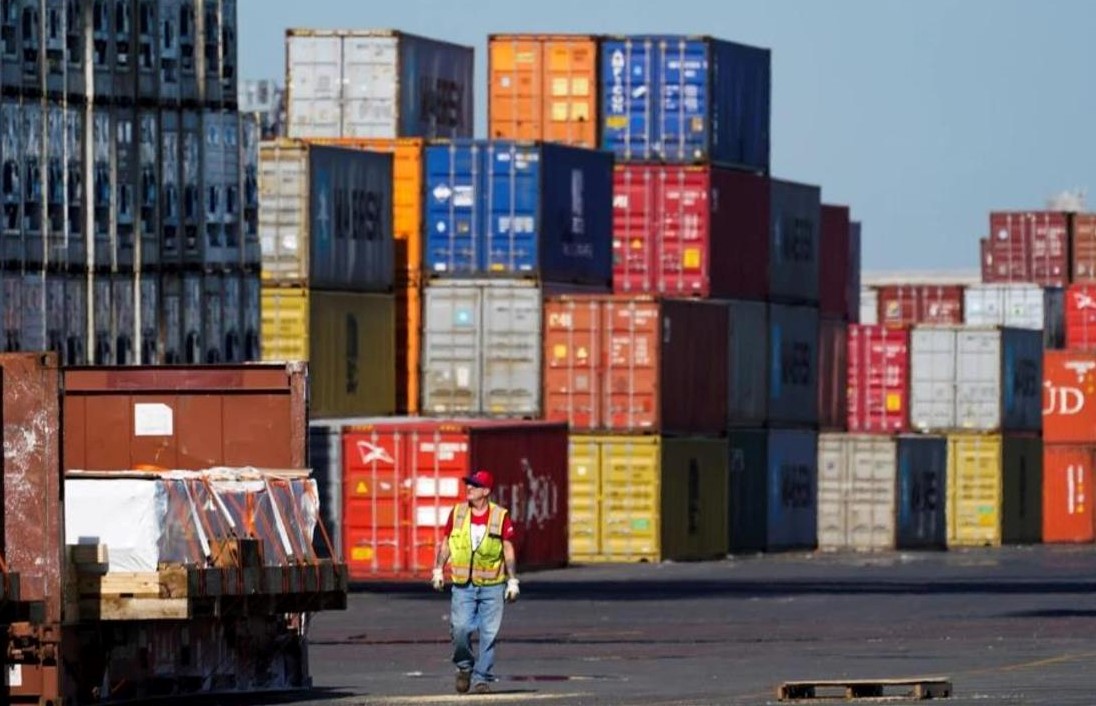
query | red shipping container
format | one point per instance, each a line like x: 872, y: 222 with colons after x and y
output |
x: 636, y: 364
x: 402, y: 476
x: 835, y: 265
x: 833, y: 375
x: 879, y: 379
x: 690, y: 231
x: 906, y: 305
x: 1083, y: 245
x: 1067, y: 482
x: 1069, y: 397
x: 1027, y: 247
x: 1081, y: 317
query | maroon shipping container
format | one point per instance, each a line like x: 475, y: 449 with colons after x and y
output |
x: 1027, y: 247
x: 906, y: 305
x: 835, y: 255
x: 833, y: 372
x: 186, y: 418
x: 636, y: 364
x: 402, y: 477
x: 1083, y: 247
x: 878, y: 379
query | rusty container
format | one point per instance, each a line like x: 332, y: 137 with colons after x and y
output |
x: 186, y: 418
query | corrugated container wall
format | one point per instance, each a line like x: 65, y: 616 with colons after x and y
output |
x: 857, y: 480
x: 647, y: 498
x: 1027, y: 247
x: 833, y: 372
x: 1080, y: 309
x: 1083, y: 247
x: 686, y: 99
x: 402, y: 477
x: 773, y: 489
x: 543, y: 87
x: 793, y: 365
x: 878, y: 379
x: 1014, y: 305
x: 348, y: 339
x: 377, y: 83
x: 869, y: 306
x: 975, y: 379
x: 481, y: 348
x: 995, y: 486
x: 509, y: 209
x: 922, y: 492
x: 635, y: 364
x: 855, y: 291
x: 836, y: 263
x: 1067, y: 493
x: 326, y: 217
x: 906, y: 305
x: 1069, y: 397
x: 747, y: 372
x: 796, y: 220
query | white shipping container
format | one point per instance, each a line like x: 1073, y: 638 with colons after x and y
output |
x: 1013, y: 305
x: 482, y: 348
x: 149, y: 325
x: 869, y: 306
x: 975, y: 379
x: 857, y: 480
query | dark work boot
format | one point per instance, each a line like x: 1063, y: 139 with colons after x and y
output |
x: 464, y: 680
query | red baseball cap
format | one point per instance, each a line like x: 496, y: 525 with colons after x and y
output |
x: 480, y: 479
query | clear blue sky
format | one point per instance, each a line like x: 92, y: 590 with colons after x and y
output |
x: 923, y: 115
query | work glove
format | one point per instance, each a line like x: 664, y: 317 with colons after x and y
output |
x: 437, y: 580
x: 512, y: 590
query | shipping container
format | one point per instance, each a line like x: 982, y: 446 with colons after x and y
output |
x: 13, y: 313
x: 11, y: 152
x: 12, y: 46
x: 995, y: 486
x: 192, y: 318
x: 186, y: 418
x: 171, y: 187
x: 747, y: 372
x: 1054, y: 318
x: 377, y: 83
x: 1083, y: 247
x: 1069, y: 397
x: 922, y: 492
x: 408, y: 345
x: 835, y: 263
x: 34, y: 192
x: 56, y: 245
x: 252, y: 313
x: 101, y: 325
x: 633, y: 364
x: 773, y: 494
x: 975, y: 379
x: 1067, y: 483
x: 793, y: 365
x: 101, y: 188
x: 75, y: 192
x: 510, y: 209
x: 76, y: 23
x: 251, y: 251
x: 123, y: 73
x: 878, y: 379
x: 103, y: 53
x: 190, y: 78
x: 543, y: 87
x: 1027, y: 247
x: 855, y: 291
x: 147, y: 187
x: 481, y: 348
x: 647, y: 498
x: 76, y: 319
x: 232, y: 318
x: 33, y: 334
x: 211, y: 247
x: 125, y: 165
x: 402, y: 477
x: 685, y: 99
x: 1014, y: 305
x: 123, y: 326
x: 52, y: 62
x: 169, y: 54
x: 326, y: 217
x: 31, y: 25
x: 833, y: 372
x: 148, y: 26
x: 217, y: 52
x: 193, y: 196
x: 1080, y: 306
x: 213, y: 318
x: 795, y: 220
x: 148, y: 329
x: 55, y: 313
x: 172, y: 312
x: 347, y: 338
x: 907, y: 305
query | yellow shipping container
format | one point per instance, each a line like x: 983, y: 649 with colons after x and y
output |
x: 647, y: 498
x: 348, y: 340
x: 994, y: 490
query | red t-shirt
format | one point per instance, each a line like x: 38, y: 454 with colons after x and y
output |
x: 480, y: 521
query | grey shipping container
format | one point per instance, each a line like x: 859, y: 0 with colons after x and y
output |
x: 212, y: 250
x: 170, y: 185
x: 75, y: 191
x: 33, y: 185
x: 125, y: 52
x: 126, y: 177
x: 75, y: 50
x: 11, y: 33
x: 148, y: 329
x: 54, y: 39
x: 795, y: 223
x: 13, y: 313
x: 252, y: 316
x: 377, y: 83
x: 168, y: 54
x: 124, y: 324
x: 213, y: 314
x: 189, y: 40
x: 231, y: 175
x: 76, y: 319
x: 33, y: 335
x: 326, y: 217
x: 793, y: 365
x: 233, y: 317
x: 101, y: 180
x: 229, y: 50
x: 209, y: 52
x: 11, y: 152
x: 99, y: 18
x: 55, y: 313
x: 31, y: 61
x: 975, y: 379
x: 251, y: 252
x: 190, y: 169
x: 171, y: 325
x: 148, y: 187
x: 193, y: 318
x: 773, y: 489
x: 55, y: 169
x: 748, y: 394
x: 147, y: 26
x: 482, y: 348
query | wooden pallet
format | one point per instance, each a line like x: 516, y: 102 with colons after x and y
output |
x: 125, y: 595
x: 916, y: 689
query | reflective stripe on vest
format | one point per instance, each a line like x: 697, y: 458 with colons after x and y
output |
x: 482, y: 566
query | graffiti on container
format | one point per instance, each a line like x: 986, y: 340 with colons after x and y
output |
x: 442, y: 100
x: 795, y: 486
x: 925, y: 492
x: 1025, y: 378
x: 796, y: 242
x: 795, y: 364
x: 534, y: 500
x: 369, y: 452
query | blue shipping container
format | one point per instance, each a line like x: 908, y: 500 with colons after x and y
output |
x: 1022, y: 379
x: 795, y: 214
x: 922, y: 493
x: 686, y: 99
x: 514, y: 209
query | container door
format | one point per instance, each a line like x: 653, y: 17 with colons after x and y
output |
x: 748, y: 395
x: 454, y: 219
x: 932, y: 387
x: 584, y: 506
x: 630, y: 495
x: 451, y: 375
x: 371, y: 87
x: 316, y: 81
x: 439, y: 460
x: 284, y: 324
x: 871, y: 489
x: 833, y: 487
x: 283, y: 216
x: 1022, y: 490
x: 694, y: 499
x: 511, y: 383
x: 978, y: 380
x: 376, y: 480
x: 631, y: 349
x: 974, y: 490
x: 922, y: 493
x: 793, y: 490
x: 515, y: 224
x: 573, y: 359
x: 1067, y: 489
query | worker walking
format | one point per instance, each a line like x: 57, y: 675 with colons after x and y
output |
x: 478, y: 546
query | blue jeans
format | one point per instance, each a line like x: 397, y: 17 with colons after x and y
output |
x: 476, y: 608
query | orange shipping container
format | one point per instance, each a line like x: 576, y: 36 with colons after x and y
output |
x: 408, y: 342
x: 1067, y: 484
x: 407, y: 199
x: 543, y: 87
x: 1069, y: 397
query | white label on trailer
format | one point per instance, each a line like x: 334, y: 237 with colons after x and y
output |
x: 15, y: 675
x: 442, y: 488
x: 153, y: 419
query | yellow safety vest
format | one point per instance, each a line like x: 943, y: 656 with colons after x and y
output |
x: 483, y: 567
